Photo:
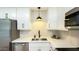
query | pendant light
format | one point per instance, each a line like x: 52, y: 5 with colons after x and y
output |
x: 39, y: 18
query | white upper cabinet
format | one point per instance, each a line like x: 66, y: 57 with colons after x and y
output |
x: 23, y: 17
x: 56, y: 17
x: 10, y: 11
x: 52, y: 17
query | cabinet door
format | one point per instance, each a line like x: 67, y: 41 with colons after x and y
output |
x: 52, y: 18
x: 18, y: 47
x: 10, y: 11
x: 56, y: 17
x: 21, y: 47
x: 23, y: 17
x: 39, y: 46
x: 60, y: 18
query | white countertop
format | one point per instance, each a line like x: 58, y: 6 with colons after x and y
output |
x: 22, y: 40
x: 27, y: 39
x: 59, y: 43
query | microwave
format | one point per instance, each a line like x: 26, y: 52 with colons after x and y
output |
x: 72, y: 21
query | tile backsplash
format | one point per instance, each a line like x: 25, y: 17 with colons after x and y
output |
x: 69, y: 38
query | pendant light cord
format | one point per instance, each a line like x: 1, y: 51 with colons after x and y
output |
x: 39, y: 14
x: 39, y: 11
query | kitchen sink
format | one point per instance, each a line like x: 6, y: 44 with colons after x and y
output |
x: 37, y: 39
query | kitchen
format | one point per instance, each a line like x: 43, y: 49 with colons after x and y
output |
x: 38, y: 29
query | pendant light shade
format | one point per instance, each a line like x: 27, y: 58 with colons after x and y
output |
x: 39, y: 17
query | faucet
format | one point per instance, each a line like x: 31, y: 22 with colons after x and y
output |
x: 39, y: 34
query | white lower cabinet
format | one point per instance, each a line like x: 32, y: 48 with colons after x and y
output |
x: 21, y: 47
x: 39, y: 46
x: 33, y: 46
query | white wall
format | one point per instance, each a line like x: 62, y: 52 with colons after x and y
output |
x: 68, y: 8
x: 10, y: 10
